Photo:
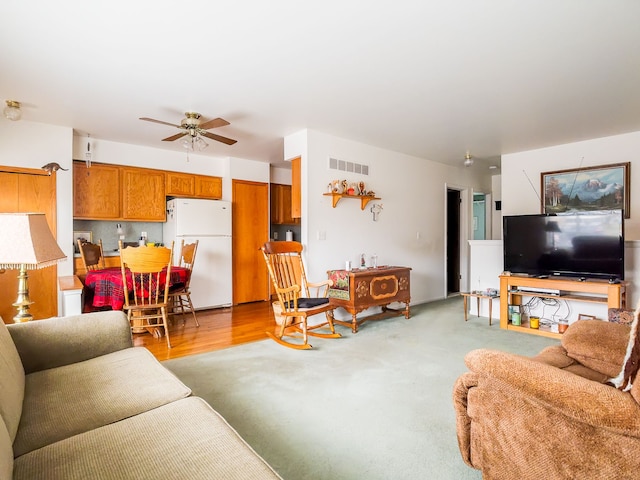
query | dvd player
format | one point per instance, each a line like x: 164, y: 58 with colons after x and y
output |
x: 534, y: 290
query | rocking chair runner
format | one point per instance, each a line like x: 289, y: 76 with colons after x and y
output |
x: 286, y: 269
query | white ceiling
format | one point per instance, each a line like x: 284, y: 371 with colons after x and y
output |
x: 433, y: 79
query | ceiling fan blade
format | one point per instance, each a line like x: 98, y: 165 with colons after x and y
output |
x: 159, y: 121
x: 174, y: 137
x: 219, y: 138
x: 216, y: 122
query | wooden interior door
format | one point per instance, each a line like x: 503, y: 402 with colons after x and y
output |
x: 250, y: 231
x: 27, y: 190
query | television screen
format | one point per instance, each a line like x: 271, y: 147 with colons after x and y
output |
x: 589, y: 245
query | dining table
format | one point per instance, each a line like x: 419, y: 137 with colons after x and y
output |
x: 107, y: 287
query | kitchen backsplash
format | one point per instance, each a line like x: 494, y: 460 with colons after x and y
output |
x: 281, y: 232
x: 107, y: 231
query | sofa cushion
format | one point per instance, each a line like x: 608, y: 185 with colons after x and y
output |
x: 65, y: 401
x: 12, y: 382
x: 186, y: 439
x: 597, y: 345
x: 6, y: 453
x: 60, y: 341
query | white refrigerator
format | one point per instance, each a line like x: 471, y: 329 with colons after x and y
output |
x: 209, y: 222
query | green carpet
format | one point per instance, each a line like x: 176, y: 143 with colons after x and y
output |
x: 372, y: 405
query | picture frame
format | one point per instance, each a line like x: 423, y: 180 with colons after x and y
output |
x: 88, y: 235
x: 603, y: 187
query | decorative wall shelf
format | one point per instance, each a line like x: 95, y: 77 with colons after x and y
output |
x: 364, y: 199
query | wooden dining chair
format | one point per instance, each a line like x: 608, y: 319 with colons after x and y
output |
x: 92, y: 255
x: 180, y: 295
x: 295, y: 300
x: 145, y: 277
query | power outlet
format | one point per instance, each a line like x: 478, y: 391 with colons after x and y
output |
x: 275, y: 235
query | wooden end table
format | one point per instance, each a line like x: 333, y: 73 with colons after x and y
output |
x: 478, y: 296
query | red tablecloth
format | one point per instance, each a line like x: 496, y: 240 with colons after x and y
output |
x: 108, y: 289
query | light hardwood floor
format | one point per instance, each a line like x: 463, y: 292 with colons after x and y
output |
x: 219, y: 328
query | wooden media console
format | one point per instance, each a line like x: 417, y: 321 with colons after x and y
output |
x: 597, y: 291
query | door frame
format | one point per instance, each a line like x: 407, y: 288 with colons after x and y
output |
x: 466, y: 199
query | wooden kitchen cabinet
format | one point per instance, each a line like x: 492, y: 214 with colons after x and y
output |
x: 281, y: 205
x: 96, y: 194
x: 143, y: 195
x: 208, y: 187
x: 180, y: 184
x: 114, y: 192
x: 193, y: 186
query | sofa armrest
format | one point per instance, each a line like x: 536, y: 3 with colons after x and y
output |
x: 578, y: 398
x: 44, y: 344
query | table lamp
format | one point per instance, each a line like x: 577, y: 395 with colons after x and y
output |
x: 26, y: 243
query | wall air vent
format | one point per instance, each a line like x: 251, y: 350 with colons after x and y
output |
x: 349, y: 167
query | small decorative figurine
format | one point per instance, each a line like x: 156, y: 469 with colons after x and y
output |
x: 361, y: 190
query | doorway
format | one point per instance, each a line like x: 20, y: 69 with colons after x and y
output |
x: 453, y: 241
x: 479, y: 216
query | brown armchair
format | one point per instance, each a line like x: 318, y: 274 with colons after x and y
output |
x: 553, y: 415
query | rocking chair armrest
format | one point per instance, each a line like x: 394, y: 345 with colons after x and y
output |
x: 318, y: 285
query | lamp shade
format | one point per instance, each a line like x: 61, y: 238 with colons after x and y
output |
x: 26, y: 241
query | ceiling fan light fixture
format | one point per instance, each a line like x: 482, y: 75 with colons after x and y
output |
x: 200, y: 144
x: 12, y: 111
x: 468, y: 160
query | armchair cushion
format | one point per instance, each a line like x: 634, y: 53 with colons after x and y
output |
x: 606, y: 355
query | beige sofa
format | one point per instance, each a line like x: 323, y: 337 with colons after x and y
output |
x: 78, y: 401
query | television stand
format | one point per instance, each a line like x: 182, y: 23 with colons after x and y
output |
x: 596, y: 291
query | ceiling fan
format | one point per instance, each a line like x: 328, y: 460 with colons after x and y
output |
x: 192, y: 125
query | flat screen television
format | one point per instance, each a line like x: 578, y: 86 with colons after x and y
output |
x: 586, y: 245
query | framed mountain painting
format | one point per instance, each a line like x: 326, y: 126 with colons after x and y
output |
x: 605, y: 187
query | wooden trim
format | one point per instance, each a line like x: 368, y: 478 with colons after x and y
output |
x: 28, y: 171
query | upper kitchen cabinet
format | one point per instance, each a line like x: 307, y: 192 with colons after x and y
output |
x: 208, y: 187
x: 281, y: 205
x: 181, y: 184
x: 193, y: 186
x: 112, y: 192
x: 143, y: 195
x: 96, y: 194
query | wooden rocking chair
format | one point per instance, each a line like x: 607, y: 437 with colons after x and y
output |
x: 286, y: 269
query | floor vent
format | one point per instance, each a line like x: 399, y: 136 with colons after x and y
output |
x: 350, y: 167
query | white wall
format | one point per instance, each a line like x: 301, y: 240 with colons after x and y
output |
x: 519, y: 197
x: 410, y: 230
x: 32, y: 145
x: 281, y: 175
